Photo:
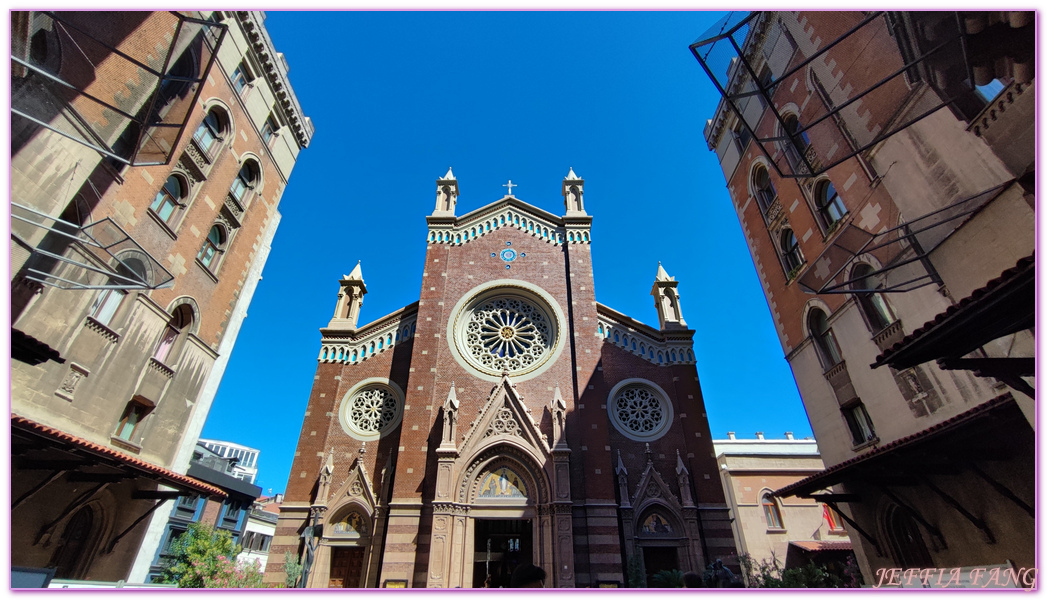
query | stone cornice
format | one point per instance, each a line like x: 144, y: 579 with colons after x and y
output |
x: 365, y: 330
x: 253, y: 24
x: 661, y: 342
x: 509, y: 212
x: 357, y: 345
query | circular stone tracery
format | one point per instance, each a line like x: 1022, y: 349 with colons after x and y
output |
x: 370, y: 410
x: 640, y: 411
x: 507, y: 333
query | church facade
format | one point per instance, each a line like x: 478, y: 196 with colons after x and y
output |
x: 506, y: 417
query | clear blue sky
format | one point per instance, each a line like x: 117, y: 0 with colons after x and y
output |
x: 399, y: 97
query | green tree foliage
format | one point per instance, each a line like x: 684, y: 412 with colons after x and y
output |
x: 668, y: 578
x: 292, y: 569
x: 206, y: 558
x: 634, y: 572
x: 769, y: 573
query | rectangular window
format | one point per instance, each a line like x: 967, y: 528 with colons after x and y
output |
x: 832, y: 518
x: 742, y: 135
x: 133, y: 415
x: 240, y: 79
x: 106, y: 304
x: 859, y: 423
x: 269, y: 129
x: 231, y: 516
x: 173, y: 533
x: 186, y: 507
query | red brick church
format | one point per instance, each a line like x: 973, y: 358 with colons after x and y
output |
x: 506, y: 417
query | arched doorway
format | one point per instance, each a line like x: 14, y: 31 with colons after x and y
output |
x: 502, y: 498
x: 661, y: 541
x: 347, y: 538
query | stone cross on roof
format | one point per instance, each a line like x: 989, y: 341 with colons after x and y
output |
x: 510, y: 185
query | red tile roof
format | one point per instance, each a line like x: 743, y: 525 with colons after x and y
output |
x: 1005, y: 277
x: 818, y: 546
x: 949, y: 423
x: 138, y: 464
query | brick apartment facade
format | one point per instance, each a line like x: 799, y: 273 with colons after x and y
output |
x: 150, y: 151
x: 493, y: 393
x: 882, y: 168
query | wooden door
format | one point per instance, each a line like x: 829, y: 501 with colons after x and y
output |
x: 346, y: 566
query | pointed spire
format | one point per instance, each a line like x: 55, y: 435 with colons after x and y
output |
x: 662, y: 275
x: 351, y: 292
x: 356, y: 274
x: 620, y: 469
x: 446, y: 195
x: 558, y: 401
x: 573, y: 190
x: 452, y: 399
x: 329, y: 463
x: 680, y: 467
x: 667, y: 301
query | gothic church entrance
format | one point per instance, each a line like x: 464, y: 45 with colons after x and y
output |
x: 500, y: 546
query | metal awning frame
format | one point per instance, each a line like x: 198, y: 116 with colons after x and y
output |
x: 161, y: 76
x: 912, y: 250
x: 83, y: 239
x: 806, y: 169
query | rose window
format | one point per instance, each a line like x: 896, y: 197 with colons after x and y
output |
x: 371, y: 409
x: 640, y: 412
x: 507, y: 334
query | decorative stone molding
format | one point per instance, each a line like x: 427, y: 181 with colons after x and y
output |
x: 253, y: 23
x: 102, y: 330
x: 503, y: 424
x: 233, y: 211
x: 889, y: 336
x: 674, y: 347
x: 450, y: 508
x: 351, y: 347
x: 509, y: 212
x: 161, y: 368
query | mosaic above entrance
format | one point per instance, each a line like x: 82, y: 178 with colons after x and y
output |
x: 501, y: 484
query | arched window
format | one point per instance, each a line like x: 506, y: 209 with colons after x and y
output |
x: 354, y: 355
x: 634, y: 345
x: 75, y: 540
x: 873, y: 305
x: 173, y: 337
x: 672, y: 356
x: 907, y: 546
x: 616, y: 337
x: 690, y: 355
x: 765, y: 192
x: 795, y: 148
x: 792, y: 258
x: 599, y: 328
x: 829, y: 205
x: 171, y: 196
x: 211, y: 131
x: 381, y: 342
x: 792, y: 126
x: 245, y: 180
x: 771, y: 512
x: 324, y: 355
x: 213, y: 246
x: 659, y: 358
x: 824, y: 340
